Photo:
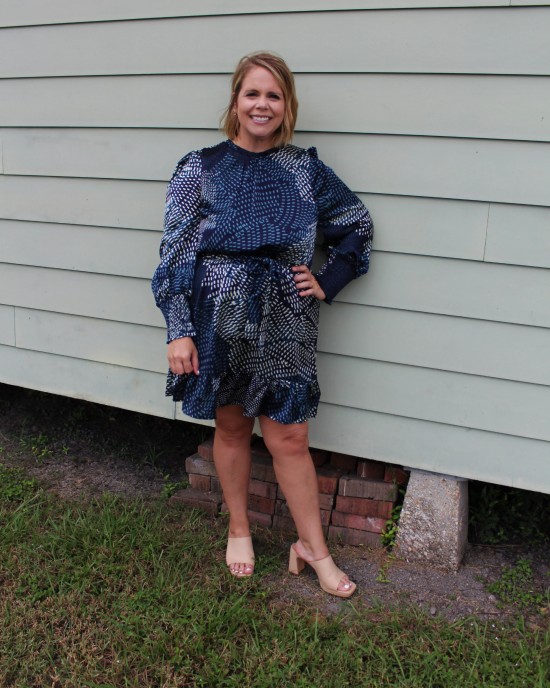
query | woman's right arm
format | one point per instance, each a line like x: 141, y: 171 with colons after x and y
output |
x: 173, y: 278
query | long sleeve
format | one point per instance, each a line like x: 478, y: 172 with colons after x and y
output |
x: 347, y: 229
x: 173, y: 279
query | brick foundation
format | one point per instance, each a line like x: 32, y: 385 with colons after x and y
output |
x: 356, y: 495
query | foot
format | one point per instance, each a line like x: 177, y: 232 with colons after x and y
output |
x: 239, y: 556
x: 331, y: 578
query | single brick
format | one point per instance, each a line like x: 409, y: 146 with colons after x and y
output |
x: 349, y: 536
x: 370, y: 523
x: 261, y: 504
x: 319, y: 456
x: 206, y: 449
x: 325, y: 517
x: 346, y: 462
x: 373, y: 470
x: 196, y: 464
x: 206, y: 501
x: 364, y: 507
x: 200, y: 482
x: 394, y: 474
x: 265, y: 520
x: 216, y: 486
x: 350, y: 486
x: 262, y: 489
x: 284, y: 523
x: 327, y: 479
x: 262, y: 469
x: 326, y: 501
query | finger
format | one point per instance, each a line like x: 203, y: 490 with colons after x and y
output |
x: 195, y: 361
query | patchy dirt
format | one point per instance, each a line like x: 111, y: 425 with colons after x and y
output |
x: 78, y: 450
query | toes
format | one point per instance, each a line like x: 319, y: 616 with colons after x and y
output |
x: 345, y: 584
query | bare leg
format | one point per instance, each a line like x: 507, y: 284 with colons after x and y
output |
x: 289, y: 447
x: 232, y: 459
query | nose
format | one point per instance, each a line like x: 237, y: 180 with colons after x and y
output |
x: 261, y: 103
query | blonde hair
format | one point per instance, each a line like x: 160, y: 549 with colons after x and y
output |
x: 284, y: 77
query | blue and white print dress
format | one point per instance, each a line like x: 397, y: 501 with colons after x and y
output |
x: 235, y: 224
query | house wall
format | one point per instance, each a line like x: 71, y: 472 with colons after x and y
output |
x: 437, y: 114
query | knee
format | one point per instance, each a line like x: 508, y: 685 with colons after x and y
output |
x: 290, y: 440
x: 233, y: 431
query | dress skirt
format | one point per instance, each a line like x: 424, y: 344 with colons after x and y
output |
x: 256, y: 340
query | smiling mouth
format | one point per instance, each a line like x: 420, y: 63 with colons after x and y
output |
x: 259, y: 119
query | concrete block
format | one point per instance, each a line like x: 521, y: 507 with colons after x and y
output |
x: 433, y: 526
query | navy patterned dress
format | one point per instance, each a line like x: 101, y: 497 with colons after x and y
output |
x: 235, y: 224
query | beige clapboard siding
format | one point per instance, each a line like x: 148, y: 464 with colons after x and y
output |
x: 137, y: 390
x: 487, y: 456
x: 107, y: 250
x: 478, y: 41
x: 499, y: 171
x: 445, y: 397
x: 34, y: 12
x: 460, y: 345
x: 488, y: 106
x: 98, y: 202
x: 7, y: 325
x: 463, y: 288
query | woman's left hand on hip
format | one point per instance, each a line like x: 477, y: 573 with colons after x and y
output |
x: 306, y: 282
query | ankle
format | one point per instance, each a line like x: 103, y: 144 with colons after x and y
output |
x: 239, y: 531
x: 309, y: 552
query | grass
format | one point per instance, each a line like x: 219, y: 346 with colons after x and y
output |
x: 119, y: 592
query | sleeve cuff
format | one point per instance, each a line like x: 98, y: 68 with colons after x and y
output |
x: 178, y: 318
x: 339, y: 272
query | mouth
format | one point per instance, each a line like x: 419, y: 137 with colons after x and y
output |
x: 259, y: 119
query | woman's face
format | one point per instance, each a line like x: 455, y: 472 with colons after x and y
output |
x: 260, y: 108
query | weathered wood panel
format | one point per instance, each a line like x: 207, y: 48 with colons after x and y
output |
x: 463, y: 452
x: 494, y: 107
x: 132, y: 253
x: 481, y: 41
x: 7, y: 325
x: 32, y: 12
x: 502, y: 171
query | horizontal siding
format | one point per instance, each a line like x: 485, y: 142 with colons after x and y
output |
x: 464, y: 452
x: 464, y: 289
x: 111, y: 251
x: 495, y: 107
x: 128, y: 388
x: 500, y: 171
x: 483, y: 403
x: 481, y: 41
x: 33, y: 12
x: 100, y: 202
x: 519, y: 237
x: 459, y: 345
x: 7, y: 325
x: 463, y: 345
x: 456, y: 399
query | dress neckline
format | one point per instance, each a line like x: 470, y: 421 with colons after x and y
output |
x: 250, y: 154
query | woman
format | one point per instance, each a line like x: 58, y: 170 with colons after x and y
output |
x: 241, y: 303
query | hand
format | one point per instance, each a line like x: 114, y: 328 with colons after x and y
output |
x: 306, y: 283
x: 183, y: 356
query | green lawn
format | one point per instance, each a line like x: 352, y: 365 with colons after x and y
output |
x: 127, y: 593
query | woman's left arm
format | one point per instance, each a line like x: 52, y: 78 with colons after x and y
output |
x: 347, y: 230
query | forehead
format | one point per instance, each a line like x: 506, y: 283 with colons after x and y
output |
x: 260, y: 78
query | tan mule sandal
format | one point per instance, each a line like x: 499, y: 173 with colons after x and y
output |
x: 328, y: 573
x: 240, y: 551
